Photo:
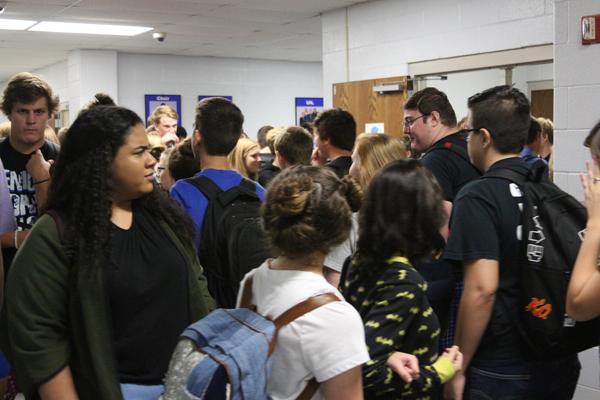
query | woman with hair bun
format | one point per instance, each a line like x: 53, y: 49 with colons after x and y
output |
x: 108, y: 279
x: 389, y: 293
x: 305, y: 214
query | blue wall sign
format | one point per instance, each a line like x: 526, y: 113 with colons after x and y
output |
x: 154, y: 100
x: 307, y: 109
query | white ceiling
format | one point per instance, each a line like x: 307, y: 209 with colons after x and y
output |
x: 264, y: 29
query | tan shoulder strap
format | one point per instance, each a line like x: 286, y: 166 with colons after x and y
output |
x: 308, y: 305
x: 304, y: 307
x: 309, y: 391
x: 246, y: 300
x: 299, y: 310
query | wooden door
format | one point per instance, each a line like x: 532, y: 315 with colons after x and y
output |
x: 542, y: 103
x: 368, y: 106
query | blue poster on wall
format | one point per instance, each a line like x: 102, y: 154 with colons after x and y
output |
x: 154, y: 100
x: 230, y: 98
x: 307, y: 109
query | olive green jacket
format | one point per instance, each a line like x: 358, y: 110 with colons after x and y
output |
x: 48, y: 325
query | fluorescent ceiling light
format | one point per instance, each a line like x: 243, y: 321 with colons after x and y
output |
x: 92, y: 29
x: 15, y: 24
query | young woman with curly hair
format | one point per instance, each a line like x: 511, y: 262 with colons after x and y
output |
x: 108, y: 277
x: 306, y: 213
x: 399, y: 219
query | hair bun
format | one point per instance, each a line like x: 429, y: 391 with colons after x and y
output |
x: 292, y: 198
x: 103, y: 99
x: 353, y: 192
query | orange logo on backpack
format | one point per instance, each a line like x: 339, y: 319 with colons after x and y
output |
x: 539, y: 308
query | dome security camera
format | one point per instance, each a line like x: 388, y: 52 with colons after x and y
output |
x: 2, y: 7
x: 159, y: 36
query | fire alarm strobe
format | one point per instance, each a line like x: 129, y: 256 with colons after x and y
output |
x: 590, y: 29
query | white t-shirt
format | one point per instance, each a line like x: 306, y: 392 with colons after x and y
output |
x: 338, y: 255
x: 322, y: 343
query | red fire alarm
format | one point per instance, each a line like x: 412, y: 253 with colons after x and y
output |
x: 590, y: 29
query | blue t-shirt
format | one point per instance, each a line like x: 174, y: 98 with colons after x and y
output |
x: 532, y: 158
x: 195, y: 203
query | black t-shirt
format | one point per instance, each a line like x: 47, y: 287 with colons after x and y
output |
x: 267, y: 173
x: 146, y: 282
x: 451, y: 170
x: 448, y: 161
x: 340, y: 165
x: 484, y: 225
x: 266, y: 159
x: 20, y: 186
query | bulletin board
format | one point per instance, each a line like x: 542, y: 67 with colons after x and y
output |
x: 307, y: 109
x: 154, y: 100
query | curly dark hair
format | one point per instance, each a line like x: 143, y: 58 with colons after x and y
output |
x: 402, y: 214
x: 182, y: 163
x: 82, y: 186
x: 307, y: 209
x: 590, y: 137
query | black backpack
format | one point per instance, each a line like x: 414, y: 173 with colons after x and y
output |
x: 232, y: 240
x: 553, y: 224
x: 456, y: 149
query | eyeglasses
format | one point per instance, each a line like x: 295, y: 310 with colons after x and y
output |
x: 408, y: 122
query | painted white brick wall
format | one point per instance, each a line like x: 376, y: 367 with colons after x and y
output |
x: 264, y: 90
x: 384, y: 36
x: 576, y: 94
x: 577, y: 88
x: 90, y: 72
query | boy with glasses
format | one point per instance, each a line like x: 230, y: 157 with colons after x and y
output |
x: 485, y: 242
x: 430, y: 122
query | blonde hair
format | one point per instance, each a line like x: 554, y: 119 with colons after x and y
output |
x: 163, y: 111
x: 50, y: 135
x: 375, y: 151
x: 272, y: 135
x: 4, y: 129
x: 547, y: 128
x: 238, y: 155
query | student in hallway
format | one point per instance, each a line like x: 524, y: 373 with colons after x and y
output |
x: 113, y: 269
x: 334, y: 135
x: 485, y: 242
x: 306, y: 213
x: 390, y: 294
